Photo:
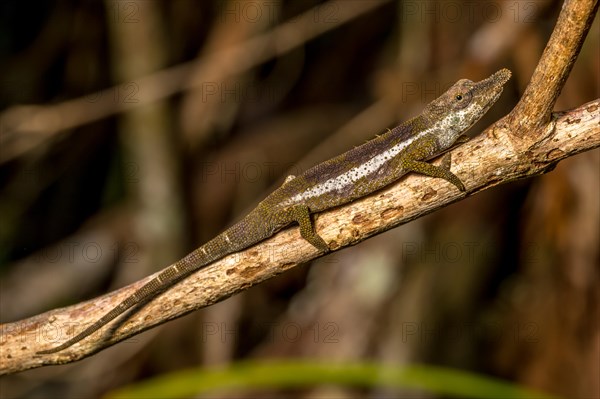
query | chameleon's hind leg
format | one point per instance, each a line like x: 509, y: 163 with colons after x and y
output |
x: 421, y: 149
x: 301, y: 215
x: 428, y: 169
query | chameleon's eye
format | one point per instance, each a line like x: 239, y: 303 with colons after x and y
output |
x: 462, y: 99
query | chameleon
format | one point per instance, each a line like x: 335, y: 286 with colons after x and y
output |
x: 354, y: 174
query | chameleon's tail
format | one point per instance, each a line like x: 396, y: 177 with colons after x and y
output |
x: 239, y: 236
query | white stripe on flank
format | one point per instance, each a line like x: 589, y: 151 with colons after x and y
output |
x: 351, y: 176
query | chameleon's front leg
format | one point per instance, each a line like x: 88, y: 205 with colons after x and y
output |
x: 446, y: 161
x: 409, y: 163
x: 301, y: 215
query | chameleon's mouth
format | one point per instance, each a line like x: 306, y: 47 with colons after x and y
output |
x: 502, y: 76
x: 496, y: 82
x: 497, y: 95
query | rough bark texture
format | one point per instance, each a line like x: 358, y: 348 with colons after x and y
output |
x: 482, y: 163
x: 533, y: 110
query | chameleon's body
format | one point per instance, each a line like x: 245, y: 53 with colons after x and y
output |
x: 347, y: 177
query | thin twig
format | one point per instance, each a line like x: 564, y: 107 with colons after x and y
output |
x: 533, y: 110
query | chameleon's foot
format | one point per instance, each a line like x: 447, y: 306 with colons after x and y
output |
x: 428, y: 169
x: 463, y: 138
x: 451, y: 177
x: 301, y: 214
x: 319, y: 243
x: 446, y: 161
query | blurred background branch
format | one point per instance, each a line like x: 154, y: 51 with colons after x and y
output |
x: 26, y: 126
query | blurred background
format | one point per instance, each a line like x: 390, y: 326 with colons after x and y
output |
x: 131, y: 132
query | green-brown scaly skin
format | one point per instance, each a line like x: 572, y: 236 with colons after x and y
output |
x: 340, y: 180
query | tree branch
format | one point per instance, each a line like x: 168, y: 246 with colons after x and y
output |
x: 534, y: 109
x: 482, y: 163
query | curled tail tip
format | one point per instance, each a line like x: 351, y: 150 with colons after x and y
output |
x: 51, y: 350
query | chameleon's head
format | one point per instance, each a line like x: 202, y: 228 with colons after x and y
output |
x: 466, y: 102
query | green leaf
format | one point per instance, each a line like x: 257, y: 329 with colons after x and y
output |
x: 305, y: 374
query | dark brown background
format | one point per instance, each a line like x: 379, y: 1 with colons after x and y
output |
x: 504, y: 283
